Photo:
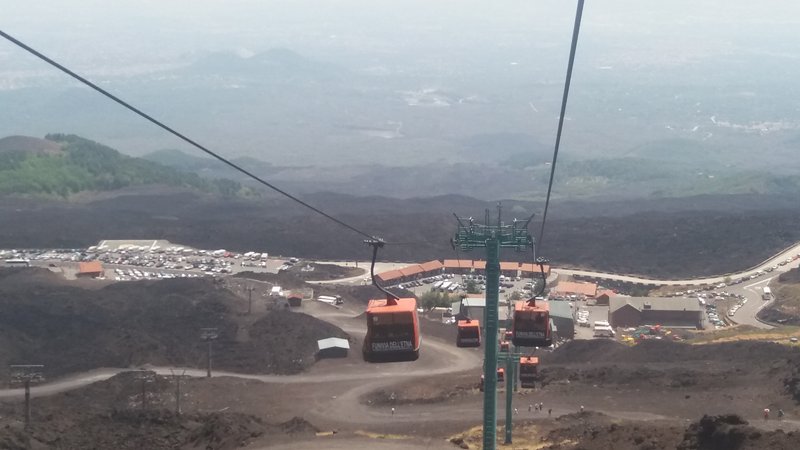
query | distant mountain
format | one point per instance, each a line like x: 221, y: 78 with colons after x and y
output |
x: 517, y: 149
x: 29, y: 144
x: 61, y: 165
x: 208, y: 167
x: 275, y: 64
x: 180, y: 160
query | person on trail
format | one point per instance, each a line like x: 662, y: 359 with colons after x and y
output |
x: 530, y: 407
x: 766, y: 413
x: 549, y: 412
x: 780, y: 413
x: 541, y: 406
x: 581, y: 408
x: 516, y: 411
x: 392, y: 410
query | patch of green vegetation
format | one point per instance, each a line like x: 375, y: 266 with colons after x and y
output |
x: 660, y: 178
x: 433, y: 299
x: 745, y: 332
x: 84, y: 165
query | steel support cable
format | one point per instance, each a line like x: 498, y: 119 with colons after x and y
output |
x: 376, y: 244
x: 177, y: 134
x: 572, y: 49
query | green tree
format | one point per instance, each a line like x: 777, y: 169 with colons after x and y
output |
x: 472, y: 287
x: 434, y: 299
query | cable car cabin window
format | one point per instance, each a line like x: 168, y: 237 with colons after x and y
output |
x: 471, y: 332
x: 391, y: 318
x: 393, y: 331
x: 530, y: 320
x: 531, y: 329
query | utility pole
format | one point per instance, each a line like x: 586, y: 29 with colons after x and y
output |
x: 208, y: 335
x: 177, y: 379
x: 26, y: 374
x: 492, y: 237
x: 250, y: 290
x: 145, y: 376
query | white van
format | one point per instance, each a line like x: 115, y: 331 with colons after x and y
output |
x: 603, y: 331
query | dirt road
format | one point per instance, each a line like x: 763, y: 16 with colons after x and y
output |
x: 331, y: 395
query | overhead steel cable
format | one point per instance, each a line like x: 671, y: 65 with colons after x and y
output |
x: 572, y: 49
x: 179, y: 135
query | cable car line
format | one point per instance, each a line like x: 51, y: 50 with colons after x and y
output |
x: 177, y: 134
x: 573, y: 47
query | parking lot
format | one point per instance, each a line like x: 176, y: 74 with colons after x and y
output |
x: 596, y: 314
x: 151, y: 262
x: 457, y: 285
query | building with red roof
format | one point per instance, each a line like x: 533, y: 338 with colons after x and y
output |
x: 509, y: 268
x: 432, y: 268
x: 531, y: 270
x: 390, y: 277
x: 457, y: 265
x: 90, y: 269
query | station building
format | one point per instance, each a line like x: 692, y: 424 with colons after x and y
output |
x: 509, y: 269
x: 530, y: 270
x: 432, y: 268
x: 563, y: 314
x: 669, y: 312
x: 458, y: 266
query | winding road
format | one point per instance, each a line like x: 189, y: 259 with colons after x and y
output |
x: 789, y: 252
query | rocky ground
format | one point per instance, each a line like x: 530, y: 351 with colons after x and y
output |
x: 110, y: 414
x: 655, y: 395
x: 785, y: 310
x: 596, y: 431
x: 666, y: 238
x: 72, y: 329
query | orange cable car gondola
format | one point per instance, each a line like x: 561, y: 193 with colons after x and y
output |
x: 392, y: 330
x: 531, y: 324
x: 469, y: 333
x: 528, y: 368
x: 392, y: 323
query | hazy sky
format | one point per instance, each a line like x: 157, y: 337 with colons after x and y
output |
x: 677, y: 50
x: 100, y: 34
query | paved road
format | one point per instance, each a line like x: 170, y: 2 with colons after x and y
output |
x: 752, y: 290
x: 782, y: 256
x: 436, y: 358
x: 790, y: 252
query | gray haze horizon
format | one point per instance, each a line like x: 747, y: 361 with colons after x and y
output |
x: 415, y: 82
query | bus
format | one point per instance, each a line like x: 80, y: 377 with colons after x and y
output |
x: 18, y: 262
x: 767, y: 294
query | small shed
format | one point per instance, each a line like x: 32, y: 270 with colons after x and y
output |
x: 604, y: 296
x: 332, y: 348
x: 90, y: 269
x: 294, y: 299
